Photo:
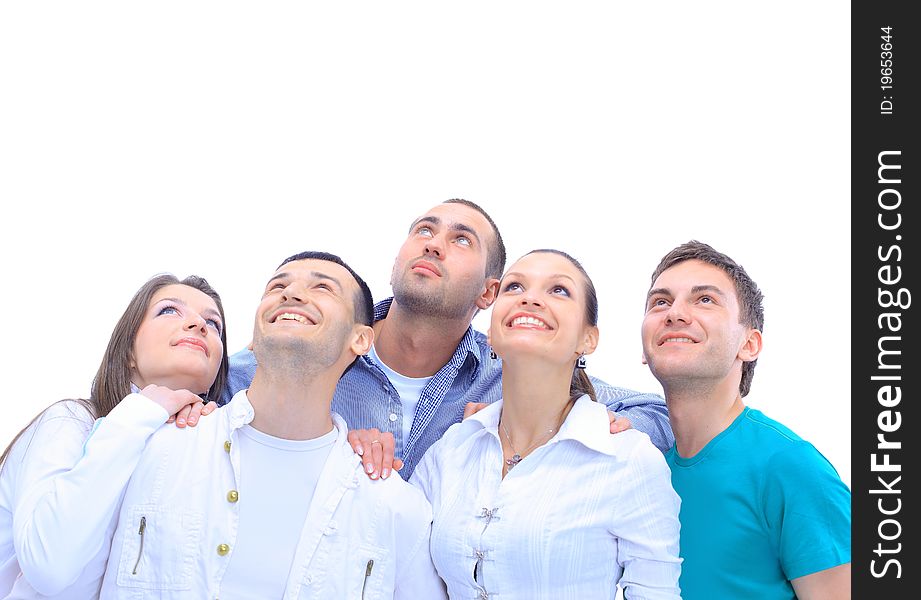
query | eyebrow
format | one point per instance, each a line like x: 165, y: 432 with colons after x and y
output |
x: 554, y: 276
x: 314, y: 274
x: 453, y: 227
x: 210, y: 312
x: 694, y: 290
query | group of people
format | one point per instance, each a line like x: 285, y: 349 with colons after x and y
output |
x: 389, y: 450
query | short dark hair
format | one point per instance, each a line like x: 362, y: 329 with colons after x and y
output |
x: 751, y: 307
x: 495, y: 253
x: 364, y: 303
x: 580, y: 383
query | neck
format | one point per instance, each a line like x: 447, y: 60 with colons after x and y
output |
x: 535, y: 398
x: 698, y: 414
x: 417, y: 346
x: 292, y: 407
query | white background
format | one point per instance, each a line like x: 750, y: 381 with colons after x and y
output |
x: 219, y: 138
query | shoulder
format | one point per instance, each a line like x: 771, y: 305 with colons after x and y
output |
x: 775, y: 442
x: 76, y: 412
x: 208, y: 428
x: 791, y: 466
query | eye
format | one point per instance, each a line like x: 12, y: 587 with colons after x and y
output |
x: 706, y: 300
x: 323, y: 286
x: 169, y: 309
x: 657, y: 303
x: 425, y: 231
x: 512, y: 286
x: 463, y: 240
x: 559, y: 290
x: 214, y: 324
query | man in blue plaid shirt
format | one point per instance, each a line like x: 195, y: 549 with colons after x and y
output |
x: 427, y: 361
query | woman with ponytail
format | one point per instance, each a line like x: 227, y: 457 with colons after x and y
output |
x: 532, y: 496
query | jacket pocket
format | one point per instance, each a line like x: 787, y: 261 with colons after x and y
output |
x: 371, y: 572
x: 159, y: 547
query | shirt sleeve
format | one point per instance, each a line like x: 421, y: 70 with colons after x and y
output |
x: 242, y: 369
x: 647, y: 412
x: 647, y: 527
x: 808, y: 510
x: 69, y: 488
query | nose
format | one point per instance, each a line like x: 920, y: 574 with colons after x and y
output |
x: 196, y: 321
x: 677, y: 313
x: 435, y: 246
x: 293, y: 292
x: 529, y: 298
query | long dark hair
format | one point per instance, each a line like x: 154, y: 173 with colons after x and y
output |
x: 580, y: 384
x: 113, y: 378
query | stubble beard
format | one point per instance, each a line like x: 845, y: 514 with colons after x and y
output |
x: 299, y: 357
x: 442, y: 302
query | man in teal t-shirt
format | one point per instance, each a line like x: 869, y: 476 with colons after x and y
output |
x: 763, y: 513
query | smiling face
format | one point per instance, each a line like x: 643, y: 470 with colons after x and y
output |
x: 691, y: 332
x: 441, y: 268
x: 178, y: 344
x: 541, y: 311
x: 306, y: 320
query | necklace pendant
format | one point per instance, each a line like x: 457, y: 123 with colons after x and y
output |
x: 511, y: 462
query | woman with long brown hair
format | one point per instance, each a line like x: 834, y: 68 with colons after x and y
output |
x: 62, y: 477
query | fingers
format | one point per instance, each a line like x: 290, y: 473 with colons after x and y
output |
x: 471, y: 408
x: 388, y: 444
x: 197, y: 410
x: 374, y: 458
x: 619, y: 424
x: 376, y: 450
x: 397, y: 464
x: 208, y: 408
x: 182, y: 417
x: 354, y: 438
x: 360, y: 440
x: 182, y: 406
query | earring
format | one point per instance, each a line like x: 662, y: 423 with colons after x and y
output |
x: 493, y: 355
x: 580, y: 362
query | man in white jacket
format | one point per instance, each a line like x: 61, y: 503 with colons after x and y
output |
x: 265, y: 498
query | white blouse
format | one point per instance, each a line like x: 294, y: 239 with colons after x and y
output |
x: 580, y: 514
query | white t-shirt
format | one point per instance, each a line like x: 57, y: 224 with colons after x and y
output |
x: 279, y: 477
x: 409, y: 388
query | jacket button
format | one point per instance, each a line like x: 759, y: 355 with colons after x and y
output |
x: 223, y: 549
x: 227, y: 446
x: 233, y: 496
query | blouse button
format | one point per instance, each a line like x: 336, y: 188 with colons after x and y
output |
x: 227, y: 446
x: 392, y: 417
x: 223, y: 549
x: 233, y: 496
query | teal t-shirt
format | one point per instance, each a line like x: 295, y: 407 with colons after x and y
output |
x: 759, y: 506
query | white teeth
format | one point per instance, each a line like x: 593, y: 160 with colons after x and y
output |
x: 529, y: 321
x: 681, y: 339
x: 291, y: 317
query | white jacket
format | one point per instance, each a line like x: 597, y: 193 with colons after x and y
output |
x: 60, y: 492
x: 181, y: 489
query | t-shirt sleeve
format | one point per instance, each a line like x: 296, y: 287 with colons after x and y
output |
x: 808, y: 510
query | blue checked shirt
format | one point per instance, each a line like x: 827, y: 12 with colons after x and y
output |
x: 365, y: 398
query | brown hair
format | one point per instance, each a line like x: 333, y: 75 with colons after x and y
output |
x: 751, y: 307
x: 113, y: 379
x: 580, y: 384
